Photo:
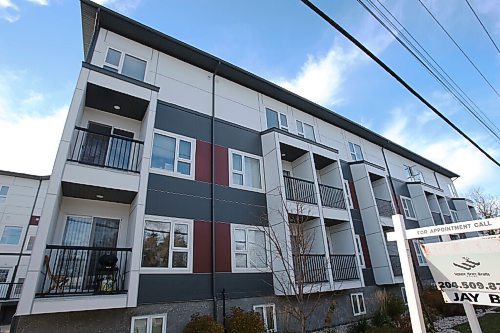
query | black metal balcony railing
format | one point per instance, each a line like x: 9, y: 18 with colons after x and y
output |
x: 310, y: 268
x: 437, y: 218
x: 396, y: 265
x: 384, y: 207
x: 10, y: 290
x: 344, y: 267
x: 447, y: 219
x: 332, y: 196
x: 299, y: 190
x: 70, y: 270
x: 106, y: 150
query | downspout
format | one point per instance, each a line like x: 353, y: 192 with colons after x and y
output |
x: 396, y: 202
x: 14, y: 273
x: 212, y: 177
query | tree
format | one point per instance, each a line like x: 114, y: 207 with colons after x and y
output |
x: 488, y: 206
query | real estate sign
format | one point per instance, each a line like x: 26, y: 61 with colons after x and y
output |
x: 466, y: 270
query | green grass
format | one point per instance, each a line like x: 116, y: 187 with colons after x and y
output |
x: 489, y: 323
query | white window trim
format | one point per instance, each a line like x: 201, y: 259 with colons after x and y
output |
x: 357, y: 297
x: 353, y: 151
x: 170, y: 270
x: 149, y: 325
x: 247, y: 228
x: 453, y: 190
x: 403, y: 198
x: 403, y: 293
x: 280, y: 124
x: 359, y: 251
x: 347, y: 190
x: 122, y: 59
x: 418, y: 253
x: 174, y: 173
x: 9, y: 274
x: 243, y: 155
x: 3, y: 198
x: 302, y: 133
x: 20, y: 236
x: 264, y: 306
x: 27, y: 243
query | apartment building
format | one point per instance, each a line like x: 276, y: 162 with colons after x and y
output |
x: 21, y: 201
x: 172, y: 166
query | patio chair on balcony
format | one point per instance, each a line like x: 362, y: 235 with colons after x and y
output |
x: 57, y: 281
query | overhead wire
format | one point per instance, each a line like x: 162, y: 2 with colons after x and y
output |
x: 459, y: 47
x: 363, y: 48
x: 440, y: 75
x: 484, y: 27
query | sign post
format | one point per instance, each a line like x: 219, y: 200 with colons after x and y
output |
x: 466, y: 271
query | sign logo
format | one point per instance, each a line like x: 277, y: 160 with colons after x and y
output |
x: 467, y: 264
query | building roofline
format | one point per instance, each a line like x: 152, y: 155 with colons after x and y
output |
x: 23, y: 175
x: 143, y: 34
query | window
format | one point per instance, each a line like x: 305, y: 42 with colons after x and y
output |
x: 419, y: 254
x: 358, y: 304
x: 167, y: 244
x: 268, y: 314
x: 3, y: 193
x: 403, y: 293
x: 452, y: 189
x: 125, y: 64
x: 173, y: 154
x: 413, y: 174
x: 249, y: 247
x: 245, y: 171
x: 149, y: 324
x: 454, y: 215
x: 359, y: 251
x: 11, y: 235
x: 408, y: 208
x: 31, y: 242
x: 4, y: 274
x: 348, y: 193
x: 275, y: 119
x: 356, y: 153
x: 305, y: 130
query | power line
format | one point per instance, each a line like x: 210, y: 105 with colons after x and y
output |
x: 484, y: 28
x: 458, y: 46
x: 413, y: 50
x: 363, y: 48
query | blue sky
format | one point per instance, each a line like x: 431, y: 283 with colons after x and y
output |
x: 280, y: 40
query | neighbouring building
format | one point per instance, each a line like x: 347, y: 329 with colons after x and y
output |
x: 168, y: 162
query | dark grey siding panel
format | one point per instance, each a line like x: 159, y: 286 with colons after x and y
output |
x: 236, y: 137
x: 346, y: 170
x: 239, y: 285
x: 357, y: 222
x: 240, y: 213
x: 233, y: 194
x: 161, y: 288
x: 368, y: 277
x: 179, y: 185
x: 175, y: 119
x: 177, y: 205
x: 400, y: 187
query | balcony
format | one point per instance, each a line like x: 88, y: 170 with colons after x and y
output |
x: 447, y: 219
x: 81, y: 270
x: 344, y: 267
x: 332, y: 197
x: 310, y: 268
x: 299, y: 190
x: 384, y: 207
x: 10, y: 291
x: 106, y: 150
x: 437, y: 218
x: 396, y: 265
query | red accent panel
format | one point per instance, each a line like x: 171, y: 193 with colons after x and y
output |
x: 203, y: 161
x: 202, y: 258
x: 34, y: 220
x: 221, y: 166
x: 366, y: 253
x: 223, y: 247
x: 354, y: 197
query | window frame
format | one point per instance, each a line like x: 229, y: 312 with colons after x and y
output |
x: 353, y: 153
x: 149, y: 322
x: 358, y: 246
x: 280, y: 122
x: 404, y: 205
x: 302, y: 133
x: 3, y: 197
x: 264, y: 306
x: 454, y: 215
x: 356, y: 297
x: 418, y: 253
x: 28, y: 242
x: 172, y: 248
x: 119, y: 68
x: 242, y: 172
x: 453, y: 190
x: 347, y: 190
x: 247, y: 252
x: 177, y: 159
x: 8, y: 276
x: 11, y: 226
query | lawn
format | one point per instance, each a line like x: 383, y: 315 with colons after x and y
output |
x: 490, y: 323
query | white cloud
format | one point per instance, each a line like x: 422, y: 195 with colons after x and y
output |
x: 9, y: 11
x: 40, y: 2
x: 123, y: 6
